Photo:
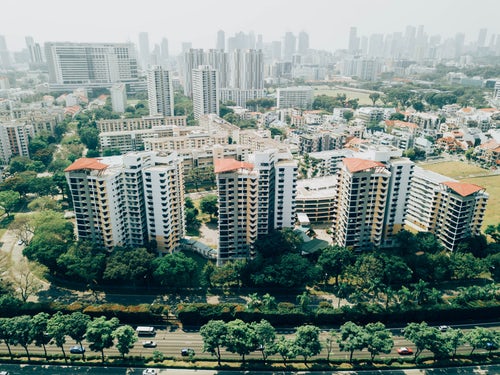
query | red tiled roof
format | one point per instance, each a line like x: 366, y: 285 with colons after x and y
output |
x: 356, y: 165
x: 401, y: 124
x: 86, y: 163
x: 228, y: 165
x: 463, y: 188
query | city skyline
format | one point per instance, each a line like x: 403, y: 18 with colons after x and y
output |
x: 326, y: 22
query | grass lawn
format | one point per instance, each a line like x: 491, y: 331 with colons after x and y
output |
x: 463, y: 171
x: 325, y: 90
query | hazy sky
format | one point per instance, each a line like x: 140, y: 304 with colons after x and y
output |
x: 326, y: 21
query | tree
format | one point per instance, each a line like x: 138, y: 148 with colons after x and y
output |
x: 89, y: 137
x: 269, y: 302
x: 348, y: 115
x: 26, y: 282
x: 6, y: 334
x: 265, y: 335
x: 352, y: 337
x: 44, y: 203
x: 100, y: 334
x: 304, y: 301
x: 21, y: 327
x: 240, y: 338
x: 175, y: 270
x: 425, y: 337
x: 466, y: 266
x: 455, y: 338
x: 22, y: 226
x: 130, y: 265
x: 8, y: 201
x: 286, y: 348
x: 307, y: 341
x: 214, y: 337
x: 494, y: 232
x: 378, y: 339
x: 208, y: 205
x: 418, y: 106
x: 397, y: 116
x: 374, y: 96
x: 57, y: 329
x: 482, y: 338
x: 76, y: 326
x: 83, y: 261
x: 330, y: 340
x: 334, y: 260
x: 39, y: 334
x: 126, y: 337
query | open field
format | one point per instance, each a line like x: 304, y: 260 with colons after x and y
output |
x: 325, y: 90
x: 465, y: 172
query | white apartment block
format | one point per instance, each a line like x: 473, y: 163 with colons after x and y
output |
x: 450, y: 209
x: 317, y: 198
x: 205, y: 91
x: 129, y: 200
x: 160, y: 92
x: 295, y: 97
x: 147, y: 122
x: 14, y: 139
x: 73, y: 65
x: 255, y: 197
x: 118, y: 98
x: 240, y: 96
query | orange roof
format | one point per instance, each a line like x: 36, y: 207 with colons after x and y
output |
x: 401, y: 124
x: 463, y: 188
x: 357, y: 165
x: 488, y: 109
x: 86, y: 163
x: 467, y: 109
x: 228, y: 165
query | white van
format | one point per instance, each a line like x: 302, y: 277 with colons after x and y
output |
x: 145, y: 331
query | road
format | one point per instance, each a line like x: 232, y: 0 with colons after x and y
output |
x: 171, y: 341
x: 74, y: 370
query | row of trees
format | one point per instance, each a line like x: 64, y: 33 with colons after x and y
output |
x: 243, y: 338
x: 43, y: 329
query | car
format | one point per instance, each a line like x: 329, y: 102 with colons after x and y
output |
x: 405, y: 351
x: 149, y: 344
x: 491, y: 346
x: 20, y: 242
x: 4, y: 373
x: 77, y: 349
x: 187, y: 351
x: 150, y: 371
x: 444, y: 328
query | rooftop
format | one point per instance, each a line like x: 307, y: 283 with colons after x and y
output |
x: 228, y: 165
x: 86, y: 163
x: 463, y: 188
x: 357, y: 165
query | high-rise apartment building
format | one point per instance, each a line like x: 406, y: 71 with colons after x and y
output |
x: 221, y: 40
x: 289, y: 43
x: 205, y: 91
x: 34, y: 50
x: 144, y: 50
x: 75, y: 65
x: 14, y: 139
x: 450, y: 209
x: 219, y: 60
x: 5, y: 60
x: 303, y: 45
x: 192, y: 59
x: 353, y: 46
x: 255, y: 197
x: 295, y: 97
x: 247, y: 69
x: 160, y: 92
x: 164, y: 51
x: 118, y: 98
x: 129, y: 200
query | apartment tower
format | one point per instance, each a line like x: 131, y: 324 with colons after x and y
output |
x: 160, y: 92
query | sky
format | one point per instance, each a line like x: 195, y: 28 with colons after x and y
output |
x: 326, y: 21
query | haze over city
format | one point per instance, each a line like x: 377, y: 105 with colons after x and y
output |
x: 326, y: 21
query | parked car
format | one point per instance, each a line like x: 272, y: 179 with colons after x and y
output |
x: 443, y: 328
x: 77, y: 349
x: 150, y: 371
x: 186, y: 352
x: 491, y: 346
x: 405, y: 351
x: 4, y: 373
x: 149, y: 344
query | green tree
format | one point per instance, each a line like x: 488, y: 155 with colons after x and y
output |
x: 39, y: 334
x: 455, y: 338
x: 352, y: 337
x: 44, y: 203
x: 286, y: 348
x: 378, y: 339
x: 265, y: 335
x: 7, y: 334
x: 425, y: 337
x: 494, y: 232
x: 76, y: 327
x: 240, y: 338
x: 334, y: 260
x: 21, y: 326
x: 8, y: 201
x: 348, y: 115
x: 126, y: 338
x: 100, y: 334
x: 307, y: 341
x: 214, y: 337
x: 374, y: 96
x: 89, y: 137
x: 209, y: 205
x: 397, y: 116
x: 130, y: 265
x: 175, y: 270
x: 330, y: 341
x: 482, y: 338
x: 83, y: 261
x: 466, y: 266
x: 304, y: 301
x: 57, y: 329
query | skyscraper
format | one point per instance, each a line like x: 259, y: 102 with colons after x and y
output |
x: 247, y: 69
x: 205, y: 91
x: 221, y: 40
x: 303, y: 43
x: 481, y: 39
x: 192, y: 59
x: 164, y: 51
x: 289, y: 43
x: 34, y: 50
x: 118, y: 98
x: 144, y: 51
x: 219, y: 60
x: 4, y: 53
x: 160, y: 92
x: 353, y: 46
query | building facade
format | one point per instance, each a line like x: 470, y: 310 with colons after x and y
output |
x: 295, y: 97
x: 205, y: 91
x: 160, y: 92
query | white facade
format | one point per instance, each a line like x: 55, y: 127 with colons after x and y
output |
x: 295, y: 97
x: 160, y: 92
x: 118, y: 98
x: 205, y: 91
x: 247, y: 69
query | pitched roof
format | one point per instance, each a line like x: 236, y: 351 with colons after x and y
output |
x: 463, y: 188
x: 86, y: 163
x: 228, y: 165
x: 357, y: 165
